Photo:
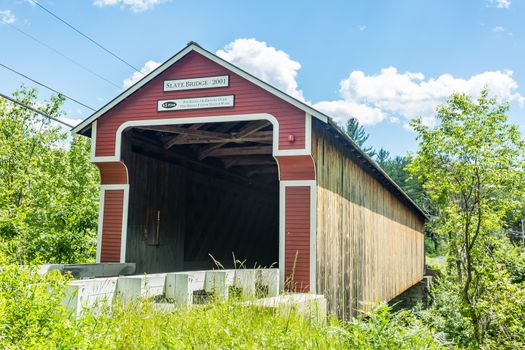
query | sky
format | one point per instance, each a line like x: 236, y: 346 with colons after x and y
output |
x: 382, y: 62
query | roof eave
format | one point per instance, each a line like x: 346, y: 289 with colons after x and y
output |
x: 192, y: 46
x: 377, y: 168
x: 83, y: 126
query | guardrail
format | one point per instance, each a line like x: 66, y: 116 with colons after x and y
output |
x: 179, y: 288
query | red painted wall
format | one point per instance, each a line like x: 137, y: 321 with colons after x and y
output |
x: 296, y: 168
x: 249, y: 98
x: 113, y: 173
x: 112, y: 226
x: 297, y: 237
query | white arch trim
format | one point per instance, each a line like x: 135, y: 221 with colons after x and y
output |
x: 216, y: 119
x: 209, y: 119
x: 124, y: 228
x: 283, y: 184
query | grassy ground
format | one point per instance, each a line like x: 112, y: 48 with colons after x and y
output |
x: 31, y: 317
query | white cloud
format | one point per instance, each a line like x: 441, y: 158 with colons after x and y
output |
x: 361, y: 28
x: 71, y: 121
x: 135, y: 6
x: 7, y: 17
x: 498, y: 29
x: 265, y: 62
x: 341, y: 111
x: 387, y: 96
x: 372, y: 98
x: 501, y: 4
x: 136, y: 76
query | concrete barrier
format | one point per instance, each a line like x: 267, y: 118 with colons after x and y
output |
x: 180, y: 288
x: 312, y: 306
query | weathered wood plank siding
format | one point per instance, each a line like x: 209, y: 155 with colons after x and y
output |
x: 199, y: 215
x: 370, y: 245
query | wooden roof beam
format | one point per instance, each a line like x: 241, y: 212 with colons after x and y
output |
x: 244, y: 161
x: 261, y: 137
x: 195, y: 126
x: 185, y: 131
x: 241, y: 151
x: 247, y: 130
x: 151, y: 149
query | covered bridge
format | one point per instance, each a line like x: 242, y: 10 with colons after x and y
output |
x: 202, y: 159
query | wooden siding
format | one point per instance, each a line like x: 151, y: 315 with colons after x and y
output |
x: 370, y: 245
x: 112, y: 226
x: 297, y: 238
x: 199, y: 215
x: 249, y: 98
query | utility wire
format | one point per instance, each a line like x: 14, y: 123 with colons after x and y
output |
x: 35, y: 110
x: 86, y: 36
x: 63, y: 55
x: 47, y: 87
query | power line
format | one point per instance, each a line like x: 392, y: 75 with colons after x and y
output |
x: 86, y: 36
x: 47, y: 87
x: 63, y: 55
x: 35, y: 110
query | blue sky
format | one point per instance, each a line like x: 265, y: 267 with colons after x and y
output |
x: 381, y: 61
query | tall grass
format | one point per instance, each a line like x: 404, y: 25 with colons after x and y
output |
x: 31, y: 317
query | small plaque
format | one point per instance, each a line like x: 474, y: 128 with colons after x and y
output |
x: 179, y: 104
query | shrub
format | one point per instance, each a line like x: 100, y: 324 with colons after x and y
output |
x: 31, y: 316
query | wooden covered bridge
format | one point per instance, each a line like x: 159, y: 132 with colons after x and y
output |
x: 201, y: 158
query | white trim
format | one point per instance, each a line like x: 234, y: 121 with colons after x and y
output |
x: 214, y: 58
x: 308, y: 134
x: 298, y: 182
x: 208, y: 119
x: 313, y: 229
x: 124, y: 234
x: 93, y: 141
x: 282, y: 218
x: 100, y: 225
x: 216, y: 119
x: 313, y: 238
x: 124, y: 228
x: 114, y: 187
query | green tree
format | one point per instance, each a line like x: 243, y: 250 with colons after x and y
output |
x: 49, y: 196
x: 359, y: 135
x: 472, y: 166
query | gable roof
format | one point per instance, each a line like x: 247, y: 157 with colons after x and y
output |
x: 367, y: 162
x: 192, y: 46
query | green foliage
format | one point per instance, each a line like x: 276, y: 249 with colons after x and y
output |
x: 396, y: 169
x: 472, y: 167
x: 512, y: 257
x: 502, y: 310
x: 384, y: 329
x: 359, y: 135
x: 49, y: 197
x: 31, y: 317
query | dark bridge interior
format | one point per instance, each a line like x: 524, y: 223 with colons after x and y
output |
x: 199, y: 191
